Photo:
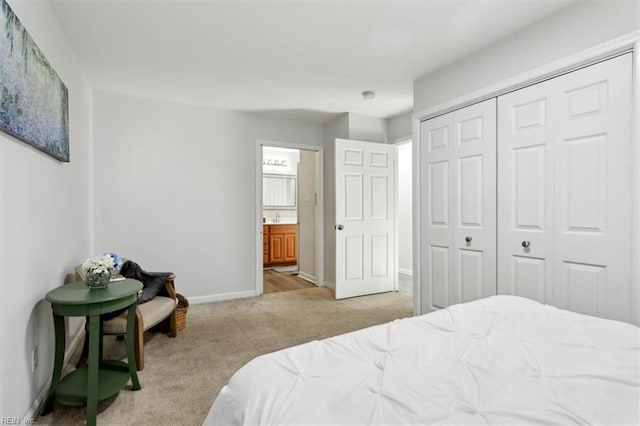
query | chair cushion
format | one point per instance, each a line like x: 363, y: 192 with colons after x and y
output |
x: 153, y: 311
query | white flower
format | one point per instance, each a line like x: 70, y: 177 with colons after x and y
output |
x: 99, y: 264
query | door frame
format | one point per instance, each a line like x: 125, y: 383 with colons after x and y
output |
x: 396, y: 143
x: 598, y: 53
x: 319, y: 234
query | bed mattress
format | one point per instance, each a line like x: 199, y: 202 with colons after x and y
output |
x: 499, y: 360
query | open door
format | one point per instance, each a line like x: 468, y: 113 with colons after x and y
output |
x: 365, y: 226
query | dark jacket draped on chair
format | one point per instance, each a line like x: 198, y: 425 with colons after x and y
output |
x: 153, y: 282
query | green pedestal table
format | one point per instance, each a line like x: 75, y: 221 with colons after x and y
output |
x: 99, y: 379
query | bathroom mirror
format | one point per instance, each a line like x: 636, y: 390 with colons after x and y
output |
x: 279, y: 191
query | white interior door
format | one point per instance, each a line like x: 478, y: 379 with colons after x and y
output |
x: 565, y: 191
x: 458, y: 196
x: 365, y: 226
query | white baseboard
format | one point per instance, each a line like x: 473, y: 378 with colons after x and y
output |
x: 332, y: 286
x: 222, y: 296
x: 405, y: 281
x: 38, y: 404
x: 307, y: 277
x: 407, y: 272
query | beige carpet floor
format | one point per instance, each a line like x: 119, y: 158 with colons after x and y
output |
x: 182, y: 376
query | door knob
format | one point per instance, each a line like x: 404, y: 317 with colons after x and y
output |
x: 468, y: 239
x: 339, y: 227
x: 526, y: 244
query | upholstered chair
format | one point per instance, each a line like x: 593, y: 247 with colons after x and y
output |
x: 159, y: 311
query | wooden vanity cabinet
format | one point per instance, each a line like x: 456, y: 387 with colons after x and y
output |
x: 279, y: 245
x: 265, y: 245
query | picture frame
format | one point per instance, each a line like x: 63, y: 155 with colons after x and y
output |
x: 34, y: 102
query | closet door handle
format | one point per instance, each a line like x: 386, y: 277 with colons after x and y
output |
x: 468, y: 239
x: 339, y: 227
x: 526, y: 244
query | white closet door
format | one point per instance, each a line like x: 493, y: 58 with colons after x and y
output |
x: 525, y: 192
x: 436, y: 136
x: 593, y: 190
x: 458, y: 205
x: 564, y: 161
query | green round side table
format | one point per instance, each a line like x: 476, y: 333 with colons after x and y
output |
x: 99, y: 379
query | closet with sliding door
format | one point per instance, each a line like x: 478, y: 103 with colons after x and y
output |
x: 529, y: 194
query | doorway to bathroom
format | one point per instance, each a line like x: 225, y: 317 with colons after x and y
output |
x: 289, y: 212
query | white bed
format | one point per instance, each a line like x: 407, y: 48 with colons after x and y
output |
x: 500, y: 360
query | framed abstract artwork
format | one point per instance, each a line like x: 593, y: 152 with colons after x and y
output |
x: 34, y: 102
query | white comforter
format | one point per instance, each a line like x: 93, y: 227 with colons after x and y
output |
x: 501, y: 360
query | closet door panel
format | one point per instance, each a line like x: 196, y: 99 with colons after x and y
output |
x: 439, y: 273
x: 529, y: 276
x: 458, y: 206
x: 592, y: 190
x: 474, y: 231
x: 439, y: 194
x: 530, y: 201
x: 471, y: 186
x: 436, y: 136
x: 564, y: 192
x: 471, y: 278
x: 525, y: 192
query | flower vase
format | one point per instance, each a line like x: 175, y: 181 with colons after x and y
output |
x: 98, y: 279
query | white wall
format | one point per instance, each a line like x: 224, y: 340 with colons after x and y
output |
x: 338, y: 128
x: 399, y: 127
x: 405, y: 208
x: 45, y: 225
x: 405, y: 217
x: 366, y: 128
x: 307, y: 216
x: 175, y: 188
x: 290, y: 157
x: 573, y: 29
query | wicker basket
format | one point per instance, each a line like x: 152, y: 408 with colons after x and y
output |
x: 181, y: 312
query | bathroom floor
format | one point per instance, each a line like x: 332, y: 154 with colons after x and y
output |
x: 274, y: 282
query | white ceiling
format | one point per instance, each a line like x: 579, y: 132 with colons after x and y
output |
x: 298, y: 57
